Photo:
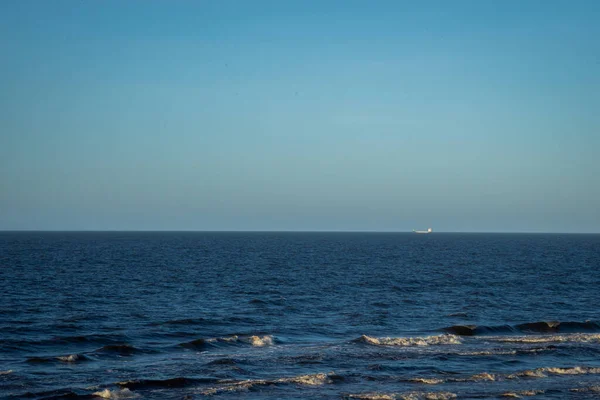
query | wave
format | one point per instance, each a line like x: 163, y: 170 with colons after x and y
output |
x: 568, y: 326
x: 121, y: 349
x: 572, y: 337
x: 472, y: 330
x: 427, y: 381
x: 402, y: 396
x: 116, y: 394
x: 522, y: 393
x: 71, y: 358
x: 529, y: 327
x: 177, y: 382
x: 543, y: 372
x: 317, y: 379
x: 446, y: 339
x: 6, y: 372
x: 98, y: 339
x: 253, y: 340
x: 571, y: 370
x: 590, y: 389
x: 506, y: 352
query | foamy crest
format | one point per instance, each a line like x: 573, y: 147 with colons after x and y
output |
x: 574, y: 337
x: 116, y: 394
x: 225, y: 339
x: 591, y: 389
x: 572, y: 371
x: 528, y: 374
x: 488, y: 353
x: 236, y: 386
x: 371, y: 396
x: 233, y: 386
x: 426, y: 396
x: 70, y: 358
x: 9, y: 371
x: 544, y: 372
x: 427, y: 381
x: 309, y: 380
x: 403, y: 396
x: 522, y: 393
x: 484, y: 376
x: 259, y: 341
x: 411, y: 341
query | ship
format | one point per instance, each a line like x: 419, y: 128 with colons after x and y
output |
x: 427, y: 231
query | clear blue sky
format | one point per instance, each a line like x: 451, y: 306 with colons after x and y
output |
x: 300, y: 115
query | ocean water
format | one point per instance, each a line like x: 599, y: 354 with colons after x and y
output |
x: 299, y: 315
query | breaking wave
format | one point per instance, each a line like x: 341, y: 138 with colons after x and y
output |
x: 572, y: 337
x: 427, y: 381
x: 254, y: 340
x: 590, y: 389
x: 543, y: 372
x: 529, y: 327
x: 445, y: 339
x: 116, y: 394
x: 522, y: 393
x: 304, y: 380
x: 403, y: 396
x: 71, y: 358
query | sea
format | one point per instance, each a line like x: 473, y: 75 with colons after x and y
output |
x: 284, y: 315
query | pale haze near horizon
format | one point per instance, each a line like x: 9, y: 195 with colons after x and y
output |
x: 355, y: 115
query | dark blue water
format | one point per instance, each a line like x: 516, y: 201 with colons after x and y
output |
x: 299, y: 315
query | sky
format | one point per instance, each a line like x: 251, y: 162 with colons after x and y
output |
x: 462, y: 116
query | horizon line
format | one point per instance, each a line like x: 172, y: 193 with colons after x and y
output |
x: 274, y: 231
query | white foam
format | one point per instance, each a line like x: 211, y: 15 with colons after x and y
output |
x: 426, y: 396
x: 484, y: 376
x: 309, y: 380
x: 69, y: 358
x: 427, y: 381
x: 545, y: 371
x: 227, y: 339
x: 235, y: 386
x: 523, y: 393
x: 445, y: 339
x: 403, y: 396
x: 10, y: 371
x: 371, y: 396
x: 591, y: 389
x: 258, y: 341
x: 574, y: 337
x: 488, y: 353
x: 571, y: 371
x: 116, y: 394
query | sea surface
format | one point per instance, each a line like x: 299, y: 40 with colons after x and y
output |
x: 299, y: 315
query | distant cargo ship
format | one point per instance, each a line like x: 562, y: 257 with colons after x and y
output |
x: 427, y: 231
